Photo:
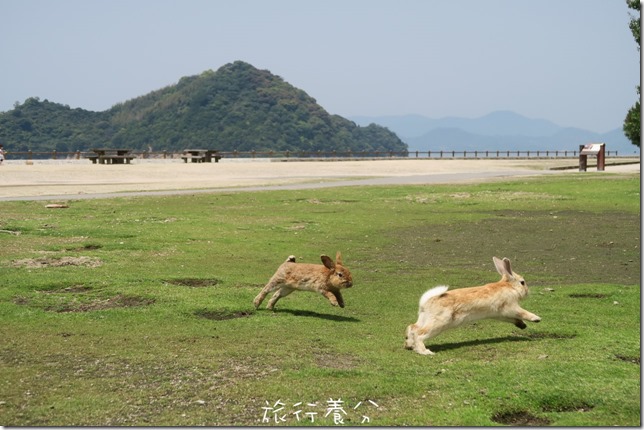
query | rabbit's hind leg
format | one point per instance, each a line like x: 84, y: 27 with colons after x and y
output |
x: 271, y: 286
x: 421, y: 335
x: 282, y: 292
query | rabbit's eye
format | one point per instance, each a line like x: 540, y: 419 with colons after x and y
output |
x: 340, y: 274
x: 522, y: 282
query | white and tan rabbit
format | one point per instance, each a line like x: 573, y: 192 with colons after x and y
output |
x: 327, y: 279
x: 440, y: 309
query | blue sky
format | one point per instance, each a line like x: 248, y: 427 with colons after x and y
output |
x: 573, y: 62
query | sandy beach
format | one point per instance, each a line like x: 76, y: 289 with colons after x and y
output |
x: 76, y: 179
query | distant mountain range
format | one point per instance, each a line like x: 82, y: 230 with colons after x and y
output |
x: 497, y: 131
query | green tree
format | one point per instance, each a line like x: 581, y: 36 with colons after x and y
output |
x: 632, y: 122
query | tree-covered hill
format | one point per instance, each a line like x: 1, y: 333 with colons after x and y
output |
x: 44, y: 126
x: 238, y: 107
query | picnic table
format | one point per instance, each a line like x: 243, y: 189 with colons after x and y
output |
x: 200, y: 155
x: 111, y: 156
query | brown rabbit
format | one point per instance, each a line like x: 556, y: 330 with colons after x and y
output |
x: 440, y: 309
x: 327, y: 279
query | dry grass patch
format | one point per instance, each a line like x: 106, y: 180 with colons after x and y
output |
x: 73, y: 303
x: 43, y: 262
x: 221, y: 314
x: 193, y: 282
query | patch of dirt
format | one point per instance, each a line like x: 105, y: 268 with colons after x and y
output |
x: 119, y: 301
x: 13, y: 232
x: 483, y: 196
x: 88, y: 247
x: 628, y: 359
x: 296, y: 227
x: 546, y: 335
x: 568, y: 407
x: 22, y: 301
x: 519, y: 418
x: 315, y: 201
x: 221, y: 314
x: 39, y: 263
x: 328, y: 360
x: 74, y: 289
x: 193, y: 283
x: 250, y: 286
x: 73, y: 304
x: 587, y: 296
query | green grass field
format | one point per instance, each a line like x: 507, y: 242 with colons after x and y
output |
x: 138, y: 311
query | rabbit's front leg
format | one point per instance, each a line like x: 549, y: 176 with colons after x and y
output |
x: 516, y: 321
x: 334, y: 297
x: 520, y: 324
x: 525, y: 315
x: 516, y: 314
x: 339, y: 298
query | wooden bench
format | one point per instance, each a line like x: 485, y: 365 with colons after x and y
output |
x: 200, y: 155
x: 214, y: 155
x: 115, y: 159
x: 194, y: 155
x: 193, y: 158
x: 111, y: 156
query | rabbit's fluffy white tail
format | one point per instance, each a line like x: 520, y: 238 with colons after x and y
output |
x: 436, y: 291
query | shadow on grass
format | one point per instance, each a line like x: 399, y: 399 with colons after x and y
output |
x: 456, y: 345
x: 313, y: 314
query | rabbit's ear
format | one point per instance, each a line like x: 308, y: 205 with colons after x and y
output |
x: 503, y: 267
x: 508, y: 266
x: 500, y: 266
x: 328, y: 263
x: 338, y: 258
